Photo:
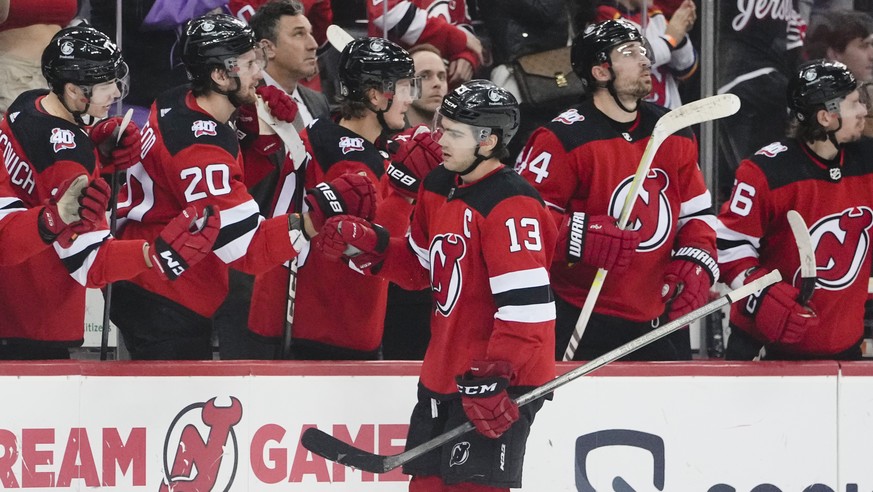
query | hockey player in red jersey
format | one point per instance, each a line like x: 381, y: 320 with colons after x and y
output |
x: 483, y: 240
x: 824, y: 173
x: 51, y: 154
x: 191, y: 157
x: 582, y: 163
x: 378, y: 85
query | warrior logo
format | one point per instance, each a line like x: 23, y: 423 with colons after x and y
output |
x: 460, y: 454
x: 446, y: 279
x: 841, y: 242
x: 569, y: 117
x: 197, y: 465
x: 351, y: 144
x: 62, y: 139
x: 651, y: 215
x: 203, y: 127
x: 772, y: 150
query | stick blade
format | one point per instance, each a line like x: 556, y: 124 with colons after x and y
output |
x: 807, y: 255
x: 338, y: 37
x: 696, y: 112
x: 331, y: 448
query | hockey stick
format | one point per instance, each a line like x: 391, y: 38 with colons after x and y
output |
x: 113, y: 222
x: 333, y: 449
x: 338, y: 37
x: 807, y: 256
x: 707, y: 109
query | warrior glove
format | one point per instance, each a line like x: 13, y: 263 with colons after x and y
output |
x: 687, y: 280
x: 185, y: 241
x: 597, y: 241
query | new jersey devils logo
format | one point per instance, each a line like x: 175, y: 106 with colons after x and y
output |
x: 446, y: 280
x: 841, y: 242
x: 197, y: 465
x: 651, y: 215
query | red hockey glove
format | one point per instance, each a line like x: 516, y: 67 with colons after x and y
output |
x: 778, y: 316
x: 116, y: 154
x: 247, y: 121
x: 687, y: 280
x: 94, y: 201
x: 363, y: 242
x: 348, y: 194
x: 413, y: 155
x: 484, y: 397
x: 282, y: 107
x: 61, y: 211
x: 597, y: 241
x: 185, y: 241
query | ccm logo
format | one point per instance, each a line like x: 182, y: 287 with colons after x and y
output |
x: 331, y: 197
x: 482, y: 389
x: 399, y: 175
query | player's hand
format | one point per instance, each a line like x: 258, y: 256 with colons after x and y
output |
x: 484, y: 397
x: 459, y: 71
x: 60, y: 211
x: 347, y: 194
x: 597, y: 241
x: 778, y: 316
x: 687, y: 280
x: 94, y: 201
x: 282, y: 107
x: 363, y: 242
x: 116, y: 154
x: 186, y: 240
x: 413, y: 155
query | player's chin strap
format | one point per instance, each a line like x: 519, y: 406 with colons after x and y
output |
x: 231, y: 94
x: 832, y: 135
x: 380, y: 116
x: 77, y: 115
x: 610, y: 86
x: 478, y: 160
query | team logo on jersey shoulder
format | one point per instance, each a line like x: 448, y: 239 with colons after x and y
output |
x: 569, y: 117
x: 62, y: 139
x: 772, y: 150
x: 204, y: 127
x: 446, y: 278
x: 351, y: 144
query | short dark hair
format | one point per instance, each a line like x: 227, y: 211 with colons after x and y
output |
x: 835, y: 29
x: 267, y: 17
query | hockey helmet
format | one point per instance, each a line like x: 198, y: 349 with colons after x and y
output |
x: 819, y: 84
x: 214, y: 40
x: 83, y: 56
x: 374, y: 62
x: 483, y: 105
x: 593, y: 46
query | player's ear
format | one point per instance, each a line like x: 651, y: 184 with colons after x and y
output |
x: 825, y: 118
x: 376, y: 98
x: 601, y: 72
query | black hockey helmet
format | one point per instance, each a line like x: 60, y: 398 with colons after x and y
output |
x: 214, y: 40
x: 482, y: 104
x: 372, y: 62
x: 593, y: 46
x: 83, y: 56
x: 819, y: 84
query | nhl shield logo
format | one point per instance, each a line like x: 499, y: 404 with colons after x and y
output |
x: 835, y: 173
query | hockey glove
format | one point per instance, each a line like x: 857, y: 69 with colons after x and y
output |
x: 93, y: 202
x: 348, y: 194
x: 282, y: 107
x: 185, y: 241
x: 778, y: 316
x: 484, y: 397
x: 412, y: 156
x: 116, y: 154
x: 60, y: 212
x: 363, y: 242
x: 596, y: 241
x: 687, y: 280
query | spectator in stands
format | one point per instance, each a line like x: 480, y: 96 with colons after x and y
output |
x: 24, y: 33
x: 431, y: 68
x: 845, y: 36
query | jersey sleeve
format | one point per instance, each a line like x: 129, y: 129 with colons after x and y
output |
x: 697, y: 222
x: 517, y: 253
x: 409, y: 25
x: 549, y: 169
x: 742, y: 223
x: 407, y: 260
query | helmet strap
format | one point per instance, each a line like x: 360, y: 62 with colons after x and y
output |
x: 832, y: 135
x: 230, y: 94
x: 77, y: 115
x: 380, y: 115
x: 610, y: 86
x: 479, y: 159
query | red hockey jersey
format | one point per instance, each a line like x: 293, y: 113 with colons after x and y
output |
x: 485, y: 247
x: 19, y: 236
x: 189, y: 158
x: 582, y: 161
x: 836, y: 201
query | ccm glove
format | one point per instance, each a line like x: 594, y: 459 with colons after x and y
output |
x: 116, y: 154
x: 687, y: 280
x: 281, y: 106
x: 596, y: 241
x: 348, y: 194
x: 363, y: 242
x: 412, y: 158
x: 778, y: 316
x: 61, y: 211
x: 484, y: 397
x: 185, y: 241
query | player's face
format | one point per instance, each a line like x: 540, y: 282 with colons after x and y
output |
x: 430, y: 68
x: 853, y: 112
x: 858, y: 57
x: 103, y: 96
x: 457, y: 141
x: 633, y: 70
x: 405, y: 91
x: 293, y: 53
x: 249, y: 72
